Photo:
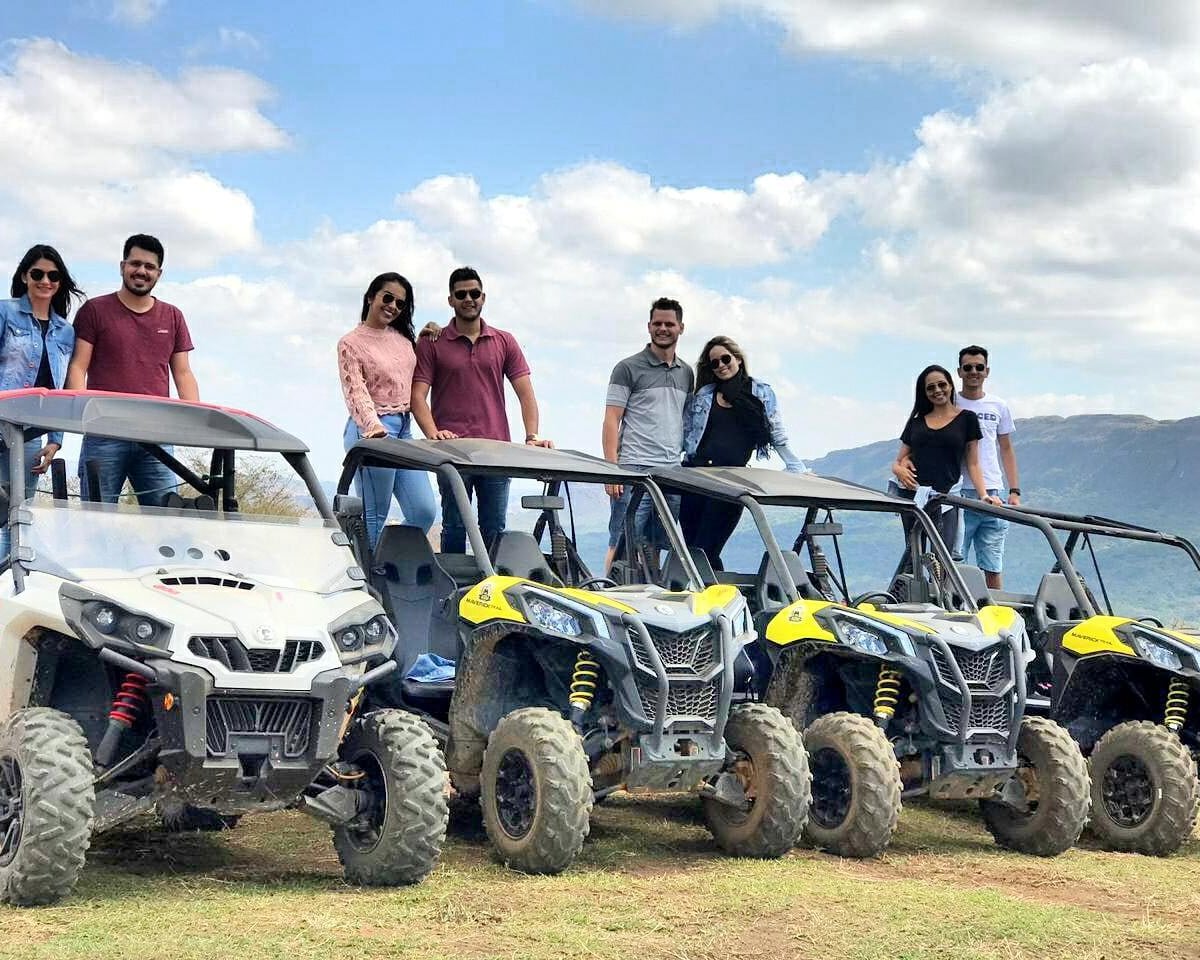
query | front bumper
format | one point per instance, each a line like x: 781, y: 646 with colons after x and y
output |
x: 234, y: 750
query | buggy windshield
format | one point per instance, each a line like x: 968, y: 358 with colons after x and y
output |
x: 101, y: 541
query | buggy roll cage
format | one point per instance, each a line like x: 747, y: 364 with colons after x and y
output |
x: 450, y: 460
x: 1079, y: 528
x: 150, y: 422
x: 752, y: 487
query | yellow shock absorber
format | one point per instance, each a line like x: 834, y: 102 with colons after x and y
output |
x: 1177, y: 705
x: 583, y: 685
x: 887, y: 695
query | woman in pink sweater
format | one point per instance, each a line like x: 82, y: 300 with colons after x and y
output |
x: 376, y: 361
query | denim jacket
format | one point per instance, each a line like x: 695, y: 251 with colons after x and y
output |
x: 21, y: 348
x: 695, y: 420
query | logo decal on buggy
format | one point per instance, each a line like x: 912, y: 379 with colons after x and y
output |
x: 486, y: 601
x: 485, y: 593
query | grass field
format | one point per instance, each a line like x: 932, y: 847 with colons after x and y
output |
x: 649, y: 885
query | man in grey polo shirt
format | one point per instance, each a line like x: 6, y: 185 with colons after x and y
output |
x: 643, y: 414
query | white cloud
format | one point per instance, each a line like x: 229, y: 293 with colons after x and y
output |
x: 127, y: 152
x: 1004, y: 35
x: 136, y: 13
x: 607, y: 211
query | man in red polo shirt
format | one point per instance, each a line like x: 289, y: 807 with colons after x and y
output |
x: 465, y: 367
x: 131, y: 342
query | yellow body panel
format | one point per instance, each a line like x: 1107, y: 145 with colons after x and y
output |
x: 993, y: 619
x: 795, y: 623
x: 719, y: 595
x: 1097, y: 635
x: 486, y: 601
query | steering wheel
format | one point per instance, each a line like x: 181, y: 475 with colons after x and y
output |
x: 1151, y: 620
x: 607, y: 581
x: 873, y: 595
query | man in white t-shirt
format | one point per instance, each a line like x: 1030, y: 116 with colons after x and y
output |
x: 987, y: 533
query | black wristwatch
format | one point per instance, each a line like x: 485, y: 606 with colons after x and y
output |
x: 1016, y: 490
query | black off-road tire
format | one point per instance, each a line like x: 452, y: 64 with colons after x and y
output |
x: 1156, y: 756
x: 1062, y: 787
x: 401, y: 840
x: 776, y: 767
x: 856, y: 786
x: 47, y: 769
x: 536, y: 791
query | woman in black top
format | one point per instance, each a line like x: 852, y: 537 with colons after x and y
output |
x: 942, y: 441
x: 730, y: 417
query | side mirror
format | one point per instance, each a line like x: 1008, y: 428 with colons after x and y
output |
x: 347, y: 507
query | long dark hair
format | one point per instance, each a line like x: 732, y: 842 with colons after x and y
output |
x: 704, y: 370
x: 60, y: 303
x: 921, y: 402
x: 403, y: 322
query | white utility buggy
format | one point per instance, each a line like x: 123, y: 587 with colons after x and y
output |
x: 191, y: 658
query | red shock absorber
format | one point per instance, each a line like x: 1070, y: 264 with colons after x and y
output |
x: 130, y: 702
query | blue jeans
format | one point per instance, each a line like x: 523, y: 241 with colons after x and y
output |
x: 121, y: 460
x: 491, y: 500
x: 31, y: 451
x: 377, y: 485
x: 986, y: 533
x: 647, y: 527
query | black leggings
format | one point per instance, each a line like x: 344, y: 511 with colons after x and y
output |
x: 708, y: 524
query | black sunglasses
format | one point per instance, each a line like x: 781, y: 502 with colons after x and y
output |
x: 389, y: 298
x: 724, y: 360
x: 463, y: 294
x: 974, y: 367
x: 939, y: 387
x: 36, y: 274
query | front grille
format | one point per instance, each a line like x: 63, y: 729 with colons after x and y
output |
x: 232, y: 654
x: 692, y: 651
x: 982, y: 669
x: 986, y: 714
x: 228, y: 717
x: 685, y: 700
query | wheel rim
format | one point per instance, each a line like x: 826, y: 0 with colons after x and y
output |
x: 366, y: 831
x: 11, y: 808
x: 516, y: 794
x: 831, y: 788
x: 1128, y: 791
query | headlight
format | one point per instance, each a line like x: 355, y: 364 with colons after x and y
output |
x: 874, y: 638
x: 866, y: 640
x: 553, y: 617
x: 742, y: 624
x: 117, y: 624
x: 1157, y: 653
x: 363, y: 632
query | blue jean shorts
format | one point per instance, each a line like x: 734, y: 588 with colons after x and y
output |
x: 986, y: 533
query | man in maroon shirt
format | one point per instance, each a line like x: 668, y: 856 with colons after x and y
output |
x: 466, y: 367
x: 129, y: 342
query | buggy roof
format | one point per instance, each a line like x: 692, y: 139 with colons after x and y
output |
x: 489, y: 456
x: 143, y: 419
x: 777, y: 487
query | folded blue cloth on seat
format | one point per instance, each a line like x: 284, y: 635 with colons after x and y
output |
x: 430, y: 668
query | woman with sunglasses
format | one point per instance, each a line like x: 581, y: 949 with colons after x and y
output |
x: 730, y: 417
x: 35, y: 345
x: 376, y: 361
x: 939, y: 443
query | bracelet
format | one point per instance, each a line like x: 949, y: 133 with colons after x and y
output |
x: 1016, y: 490
x: 531, y: 437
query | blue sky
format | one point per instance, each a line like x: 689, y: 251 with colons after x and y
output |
x: 852, y: 189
